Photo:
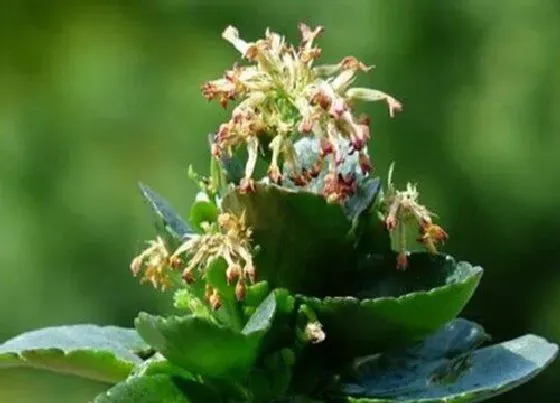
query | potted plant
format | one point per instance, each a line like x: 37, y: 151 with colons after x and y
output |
x: 299, y: 276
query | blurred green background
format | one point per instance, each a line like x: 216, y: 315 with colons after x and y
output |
x: 95, y: 96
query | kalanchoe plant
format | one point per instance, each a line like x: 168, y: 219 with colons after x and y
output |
x: 299, y: 286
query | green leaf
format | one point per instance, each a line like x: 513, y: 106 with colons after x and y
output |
x: 402, y: 307
x: 445, y: 368
x: 170, y: 220
x: 256, y: 293
x: 372, y: 237
x: 207, y: 348
x: 261, y: 320
x: 369, y: 228
x: 362, y: 200
x: 102, y: 353
x: 157, y: 389
x: 203, y: 211
x: 304, y: 242
x: 230, y: 313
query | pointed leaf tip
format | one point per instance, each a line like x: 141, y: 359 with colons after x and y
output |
x: 364, y: 197
x: 171, y: 220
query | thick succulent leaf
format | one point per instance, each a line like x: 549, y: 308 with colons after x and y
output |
x: 304, y: 242
x: 156, y: 389
x: 101, y: 353
x: 445, y: 368
x: 207, y: 348
x: 373, y: 240
x: 402, y: 307
x: 362, y: 200
x: 169, y: 219
x: 198, y: 345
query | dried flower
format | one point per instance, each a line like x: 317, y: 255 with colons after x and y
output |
x: 240, y: 290
x: 431, y: 235
x: 339, y: 188
x: 229, y: 239
x: 404, y: 210
x: 282, y: 95
x: 156, y: 262
x: 232, y: 273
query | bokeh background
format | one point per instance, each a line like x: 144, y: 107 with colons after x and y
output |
x: 96, y: 95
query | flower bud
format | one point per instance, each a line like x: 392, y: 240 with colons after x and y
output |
x: 356, y: 144
x: 240, y: 290
x: 207, y: 292
x: 214, y: 300
x: 247, y: 185
x: 215, y: 150
x: 274, y: 175
x: 232, y: 273
x: 187, y: 276
x: 326, y: 147
x: 298, y: 179
x: 306, y: 173
x: 176, y: 262
x: 402, y: 261
x: 365, y: 164
x: 251, y: 273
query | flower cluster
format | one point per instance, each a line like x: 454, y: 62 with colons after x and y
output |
x: 404, y: 210
x: 228, y: 239
x: 157, y: 263
x: 282, y: 96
